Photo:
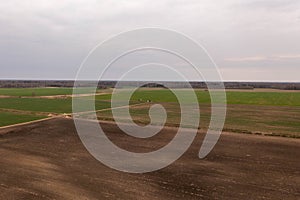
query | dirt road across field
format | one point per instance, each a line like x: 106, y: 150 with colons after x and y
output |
x: 47, y: 160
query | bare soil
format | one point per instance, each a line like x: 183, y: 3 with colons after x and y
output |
x: 47, y: 160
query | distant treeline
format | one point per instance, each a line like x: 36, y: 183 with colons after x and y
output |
x: 111, y: 84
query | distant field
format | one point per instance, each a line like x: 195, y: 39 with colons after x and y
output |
x: 45, y: 105
x: 233, y: 97
x: 29, y: 92
x: 264, y: 98
x: 277, y: 98
x: 33, y: 104
x: 268, y: 113
x: 258, y: 112
x: 35, y: 91
x: 36, y: 104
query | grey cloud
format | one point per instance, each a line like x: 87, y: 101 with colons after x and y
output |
x: 49, y: 39
x: 271, y: 4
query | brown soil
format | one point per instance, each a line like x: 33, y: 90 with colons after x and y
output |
x: 46, y: 160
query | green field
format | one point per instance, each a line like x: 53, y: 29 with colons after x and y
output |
x: 38, y: 105
x: 233, y: 97
x: 7, y: 118
x: 45, y: 105
x: 29, y: 92
x: 35, y: 91
x: 22, y: 100
x: 268, y: 112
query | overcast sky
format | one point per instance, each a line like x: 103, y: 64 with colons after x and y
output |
x: 256, y: 40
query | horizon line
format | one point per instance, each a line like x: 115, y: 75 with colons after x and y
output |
x: 248, y: 81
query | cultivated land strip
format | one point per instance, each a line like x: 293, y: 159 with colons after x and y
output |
x: 239, y: 167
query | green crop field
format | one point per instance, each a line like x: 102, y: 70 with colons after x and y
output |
x: 27, y: 104
x: 7, y: 118
x: 45, y: 105
x: 35, y: 91
x: 233, y: 97
x: 268, y: 112
x: 264, y: 98
x: 36, y: 104
x: 29, y: 92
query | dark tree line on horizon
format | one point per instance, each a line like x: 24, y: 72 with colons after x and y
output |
x: 162, y: 84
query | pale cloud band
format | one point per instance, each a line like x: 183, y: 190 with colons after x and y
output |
x: 263, y: 58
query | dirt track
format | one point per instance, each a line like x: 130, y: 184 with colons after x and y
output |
x: 46, y: 160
